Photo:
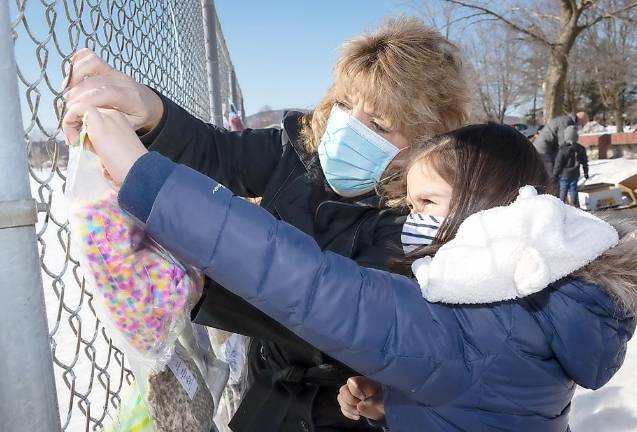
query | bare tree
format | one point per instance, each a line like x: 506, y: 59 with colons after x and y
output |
x: 495, y: 57
x: 440, y: 18
x: 556, y: 26
x: 533, y: 65
x: 578, y: 78
x: 613, y: 47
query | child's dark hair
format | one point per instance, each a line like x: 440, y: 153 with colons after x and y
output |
x: 486, y: 165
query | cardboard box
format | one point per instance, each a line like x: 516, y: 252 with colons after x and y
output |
x: 629, y: 187
x: 600, y: 195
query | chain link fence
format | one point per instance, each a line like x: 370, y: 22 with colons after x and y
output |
x: 228, y: 80
x: 160, y: 43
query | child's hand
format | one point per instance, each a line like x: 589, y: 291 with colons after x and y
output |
x: 113, y: 139
x: 361, y: 397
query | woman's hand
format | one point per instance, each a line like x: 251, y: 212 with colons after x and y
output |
x: 113, y: 139
x: 94, y: 82
x: 361, y: 396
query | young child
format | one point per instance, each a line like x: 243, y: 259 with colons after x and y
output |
x: 570, y: 157
x: 509, y: 361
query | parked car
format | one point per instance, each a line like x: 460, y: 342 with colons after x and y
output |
x: 528, y: 130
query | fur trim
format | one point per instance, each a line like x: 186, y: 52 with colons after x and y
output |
x: 616, y: 269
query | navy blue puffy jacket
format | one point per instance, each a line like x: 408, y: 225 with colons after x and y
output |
x: 511, y: 366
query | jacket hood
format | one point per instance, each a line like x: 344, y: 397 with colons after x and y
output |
x: 615, y: 271
x: 292, y: 131
x: 578, y: 272
x: 513, y: 251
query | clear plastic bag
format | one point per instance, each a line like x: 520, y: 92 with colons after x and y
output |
x: 168, y: 405
x: 178, y: 397
x: 142, y: 295
x: 216, y: 372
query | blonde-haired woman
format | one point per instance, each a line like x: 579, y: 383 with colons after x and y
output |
x: 321, y: 173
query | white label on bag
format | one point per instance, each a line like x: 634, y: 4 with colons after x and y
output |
x: 203, y: 340
x: 183, y: 375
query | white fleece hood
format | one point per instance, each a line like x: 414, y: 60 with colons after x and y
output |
x: 510, y: 252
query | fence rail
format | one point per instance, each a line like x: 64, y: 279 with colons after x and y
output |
x: 161, y: 43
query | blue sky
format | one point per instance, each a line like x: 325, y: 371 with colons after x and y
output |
x: 284, y: 50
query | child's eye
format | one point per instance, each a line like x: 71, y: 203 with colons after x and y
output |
x: 426, y: 202
x: 419, y: 205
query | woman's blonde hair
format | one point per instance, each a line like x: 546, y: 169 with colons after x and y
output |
x: 409, y: 73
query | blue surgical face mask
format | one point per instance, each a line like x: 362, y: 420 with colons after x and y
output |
x: 420, y: 229
x: 353, y: 157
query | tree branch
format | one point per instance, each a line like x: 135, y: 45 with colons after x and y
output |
x: 538, y: 14
x: 607, y: 15
x: 466, y: 17
x: 571, y: 4
x: 586, y: 4
x: 485, y: 19
x: 511, y: 24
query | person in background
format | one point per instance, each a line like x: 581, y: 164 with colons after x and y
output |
x: 232, y: 118
x: 570, y: 157
x: 551, y: 137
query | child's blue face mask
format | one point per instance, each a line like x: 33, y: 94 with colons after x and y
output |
x: 353, y: 157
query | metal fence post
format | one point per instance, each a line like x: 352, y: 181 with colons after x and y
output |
x: 232, y: 78
x: 243, y: 111
x: 212, y: 57
x: 28, y: 400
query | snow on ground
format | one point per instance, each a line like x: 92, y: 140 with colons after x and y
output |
x: 610, y: 171
x: 612, y: 408
x: 595, y: 128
